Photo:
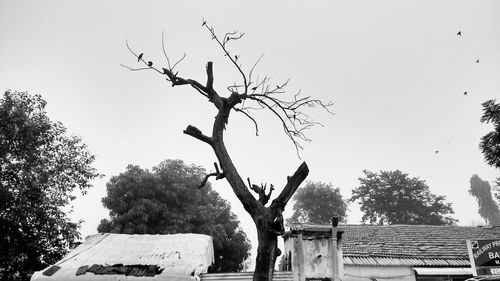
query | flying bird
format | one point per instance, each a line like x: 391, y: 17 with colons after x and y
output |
x: 477, y: 61
x: 150, y: 63
x: 459, y: 33
x: 139, y: 57
x: 437, y: 151
x: 465, y: 93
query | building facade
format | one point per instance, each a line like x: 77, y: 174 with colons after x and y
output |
x: 382, y: 252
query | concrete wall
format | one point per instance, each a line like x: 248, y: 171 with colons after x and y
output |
x: 373, y: 273
x: 318, y: 258
x: 314, y: 256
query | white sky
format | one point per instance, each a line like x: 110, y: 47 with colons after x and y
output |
x: 395, y: 70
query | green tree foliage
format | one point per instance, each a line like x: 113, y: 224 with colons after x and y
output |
x: 316, y: 203
x: 167, y: 200
x: 40, y: 167
x: 392, y: 197
x: 488, y: 208
x: 490, y: 143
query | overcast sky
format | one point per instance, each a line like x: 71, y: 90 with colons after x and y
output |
x: 395, y: 70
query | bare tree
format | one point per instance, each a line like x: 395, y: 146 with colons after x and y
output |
x: 246, y: 97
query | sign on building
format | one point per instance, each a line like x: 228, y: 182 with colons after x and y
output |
x: 484, y: 256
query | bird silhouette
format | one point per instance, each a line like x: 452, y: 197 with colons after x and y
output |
x: 437, y: 151
x: 140, y: 57
x: 150, y: 63
x: 459, y: 33
x: 465, y: 93
x: 477, y: 61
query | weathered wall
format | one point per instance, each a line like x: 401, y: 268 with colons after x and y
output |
x: 313, y: 256
x: 364, y: 273
x: 317, y: 257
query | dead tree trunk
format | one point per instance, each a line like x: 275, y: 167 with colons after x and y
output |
x: 267, y: 252
x: 268, y: 220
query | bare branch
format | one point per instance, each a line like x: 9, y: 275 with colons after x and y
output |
x: 291, y: 186
x: 175, y: 79
x: 197, y: 134
x: 261, y: 191
x: 181, y: 59
x: 253, y: 67
x: 251, y: 118
x: 226, y: 52
x: 164, y: 51
x: 134, y: 69
x: 290, y: 131
x: 217, y: 174
x: 293, y: 119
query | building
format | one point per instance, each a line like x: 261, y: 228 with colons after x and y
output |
x: 311, y: 253
x: 106, y: 256
x: 385, y: 252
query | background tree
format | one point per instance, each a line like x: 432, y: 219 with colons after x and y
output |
x: 490, y: 143
x: 40, y: 167
x: 392, y: 197
x: 488, y: 208
x: 169, y: 200
x: 316, y: 203
x: 245, y: 97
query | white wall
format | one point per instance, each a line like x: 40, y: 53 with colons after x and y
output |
x: 364, y: 273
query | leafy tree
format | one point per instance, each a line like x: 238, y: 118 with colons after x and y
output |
x: 246, y: 97
x: 316, y: 203
x: 392, y: 197
x: 488, y: 208
x: 490, y: 143
x: 169, y: 200
x: 40, y: 167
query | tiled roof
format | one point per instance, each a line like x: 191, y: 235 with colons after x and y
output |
x: 412, y: 245
x: 412, y: 241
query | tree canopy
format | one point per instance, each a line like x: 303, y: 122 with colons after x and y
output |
x: 316, y: 203
x: 488, y: 208
x: 168, y: 200
x: 490, y: 143
x: 40, y: 168
x: 393, y: 197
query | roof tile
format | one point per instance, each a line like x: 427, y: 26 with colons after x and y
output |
x: 415, y: 245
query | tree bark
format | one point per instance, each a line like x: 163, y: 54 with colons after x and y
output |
x: 267, y: 252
